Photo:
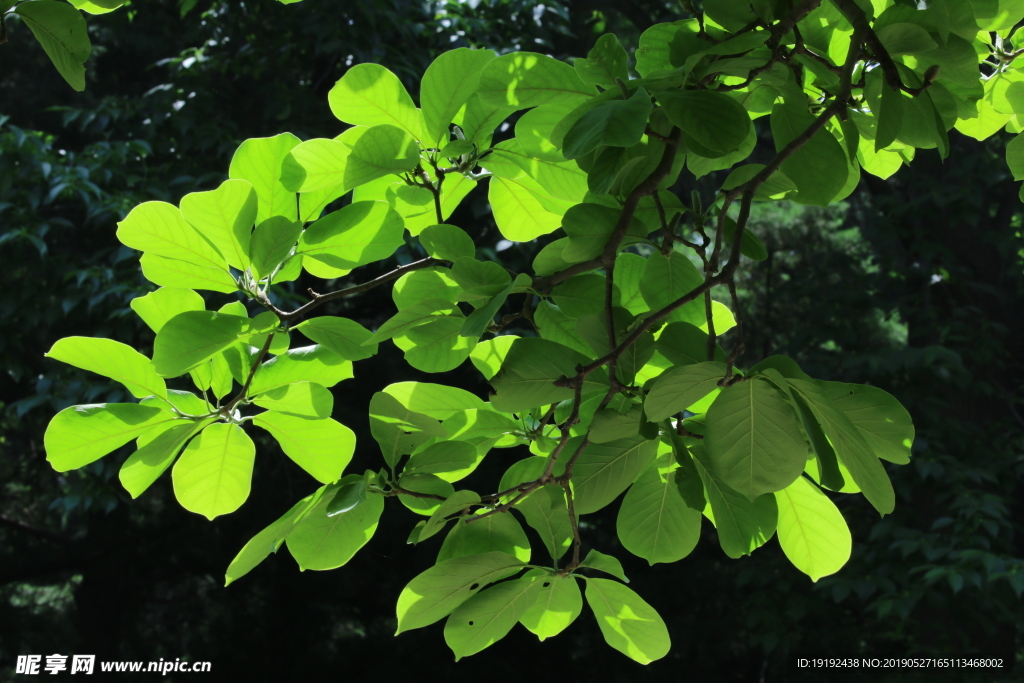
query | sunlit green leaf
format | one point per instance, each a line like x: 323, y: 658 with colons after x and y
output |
x: 322, y: 447
x: 627, y: 622
x: 111, y: 359
x: 320, y: 542
x: 369, y: 95
x: 61, y: 30
x: 488, y: 616
x: 214, y: 474
x: 440, y: 589
x: 654, y: 522
x: 78, y: 435
x: 258, y: 160
x: 448, y: 83
x: 528, y: 79
x: 226, y: 217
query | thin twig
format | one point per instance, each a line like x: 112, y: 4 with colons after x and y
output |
x: 318, y: 299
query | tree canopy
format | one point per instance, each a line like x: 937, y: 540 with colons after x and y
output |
x: 600, y: 328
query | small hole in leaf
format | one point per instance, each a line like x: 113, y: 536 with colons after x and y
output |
x: 547, y: 583
x: 474, y: 586
x: 471, y: 623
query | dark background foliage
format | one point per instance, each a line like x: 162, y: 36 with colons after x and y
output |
x: 914, y: 285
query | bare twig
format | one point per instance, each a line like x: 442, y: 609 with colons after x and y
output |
x: 318, y: 299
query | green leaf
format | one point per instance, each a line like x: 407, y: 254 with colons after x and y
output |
x: 156, y: 308
x: 819, y: 167
x: 258, y: 160
x: 341, y: 336
x: 272, y: 243
x: 305, y: 364
x: 320, y: 542
x: 370, y: 95
x: 169, y: 272
x: 558, y: 184
x: 488, y: 616
x: 350, y: 495
x: 478, y: 321
x: 527, y: 79
x: 661, y: 46
x: 890, y: 116
x: 423, y: 483
x: 667, y: 278
x: 535, y: 128
x: 557, y: 605
x: 479, y: 280
x: 271, y: 538
x: 447, y: 242
x: 627, y: 622
x: 145, y: 465
x: 157, y: 228
x: 750, y: 246
x: 111, y: 359
x: 616, y: 123
x: 850, y: 447
x: 357, y: 156
x: 712, y: 123
x: 687, y: 478
x: 558, y: 327
x: 191, y: 337
x: 904, y: 38
x: 546, y: 513
x: 500, y: 532
x: 449, y: 460
x: 302, y: 399
x: 1015, y: 156
x: 456, y: 503
x: 94, y: 6
x: 487, y: 356
x: 516, y: 204
x: 604, y: 563
x: 611, y: 425
x: 753, y: 439
x: 742, y: 525
x: 434, y: 593
x: 654, y: 522
x: 225, y: 217
x: 589, y: 226
x: 436, y: 400
x: 397, y: 429
x: 526, y: 375
x: 321, y: 447
x: 777, y: 186
x: 681, y: 387
x: 448, y: 83
x: 360, y: 233
x: 420, y: 313
x: 812, y: 531
x: 605, y: 470
x: 420, y: 285
x: 61, y: 30
x: 683, y: 344
x: 79, y: 435
x: 883, y: 423
x: 214, y: 474
x: 605, y: 62
x: 581, y: 295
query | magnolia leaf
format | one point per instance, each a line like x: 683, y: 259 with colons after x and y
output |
x: 111, y: 359
x: 214, y: 474
x: 433, y: 594
x: 627, y: 622
x: 322, y: 447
